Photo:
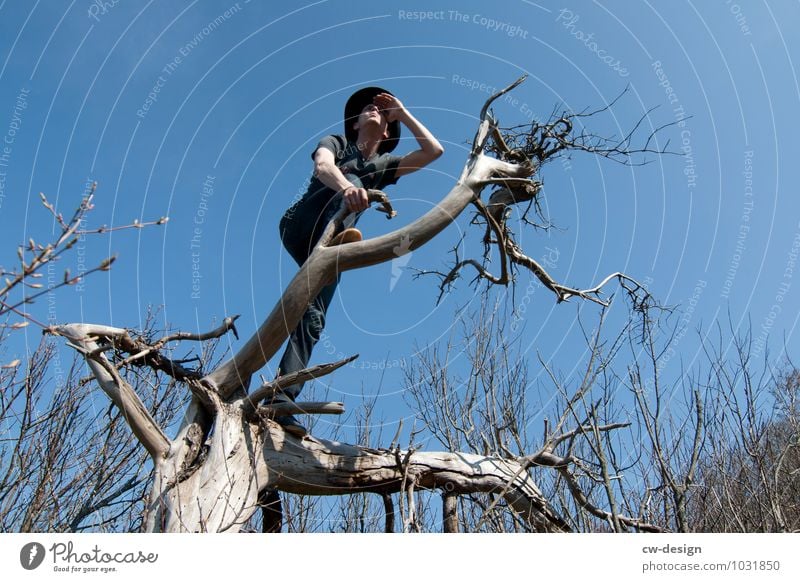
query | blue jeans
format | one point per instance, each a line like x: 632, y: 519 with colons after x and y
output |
x: 300, y: 230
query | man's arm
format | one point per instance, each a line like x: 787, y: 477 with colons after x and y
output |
x: 429, y: 146
x: 328, y: 173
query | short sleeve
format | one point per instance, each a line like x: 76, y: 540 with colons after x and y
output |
x: 389, y: 174
x: 334, y: 143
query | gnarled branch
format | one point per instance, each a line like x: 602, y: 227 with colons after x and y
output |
x: 84, y: 338
x: 319, y: 467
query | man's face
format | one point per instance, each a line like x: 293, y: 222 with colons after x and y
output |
x: 370, y: 114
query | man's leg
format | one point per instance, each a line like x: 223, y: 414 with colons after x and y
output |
x: 308, y: 331
x: 304, y: 337
x: 298, y: 352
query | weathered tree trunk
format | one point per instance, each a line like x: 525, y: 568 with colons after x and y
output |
x: 271, y: 511
x: 222, y: 493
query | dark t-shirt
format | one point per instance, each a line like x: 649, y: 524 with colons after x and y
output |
x: 376, y: 173
x: 308, y: 215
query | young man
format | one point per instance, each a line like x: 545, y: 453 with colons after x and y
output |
x: 345, y: 167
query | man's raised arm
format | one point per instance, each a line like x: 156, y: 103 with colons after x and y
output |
x: 429, y: 146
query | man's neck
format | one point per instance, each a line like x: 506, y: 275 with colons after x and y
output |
x: 367, y: 144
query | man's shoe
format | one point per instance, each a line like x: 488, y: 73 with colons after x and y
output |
x: 291, y: 425
x: 348, y: 235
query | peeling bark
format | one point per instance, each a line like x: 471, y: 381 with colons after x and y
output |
x: 245, y: 459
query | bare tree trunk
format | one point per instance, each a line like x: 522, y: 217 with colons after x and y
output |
x: 223, y: 492
x: 450, y: 513
x: 271, y: 511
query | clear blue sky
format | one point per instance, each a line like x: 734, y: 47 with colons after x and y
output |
x: 243, y: 90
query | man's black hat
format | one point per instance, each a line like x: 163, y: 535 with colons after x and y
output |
x: 352, y: 109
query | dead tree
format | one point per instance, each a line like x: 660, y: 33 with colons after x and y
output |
x: 228, y: 451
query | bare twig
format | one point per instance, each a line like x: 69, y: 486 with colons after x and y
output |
x: 290, y: 407
x: 226, y: 326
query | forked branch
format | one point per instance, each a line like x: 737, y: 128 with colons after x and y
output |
x: 85, y: 339
x: 520, y: 152
x: 269, y: 389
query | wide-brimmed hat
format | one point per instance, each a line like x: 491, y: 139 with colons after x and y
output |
x: 352, y: 109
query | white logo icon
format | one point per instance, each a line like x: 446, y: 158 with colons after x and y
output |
x: 402, y: 253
